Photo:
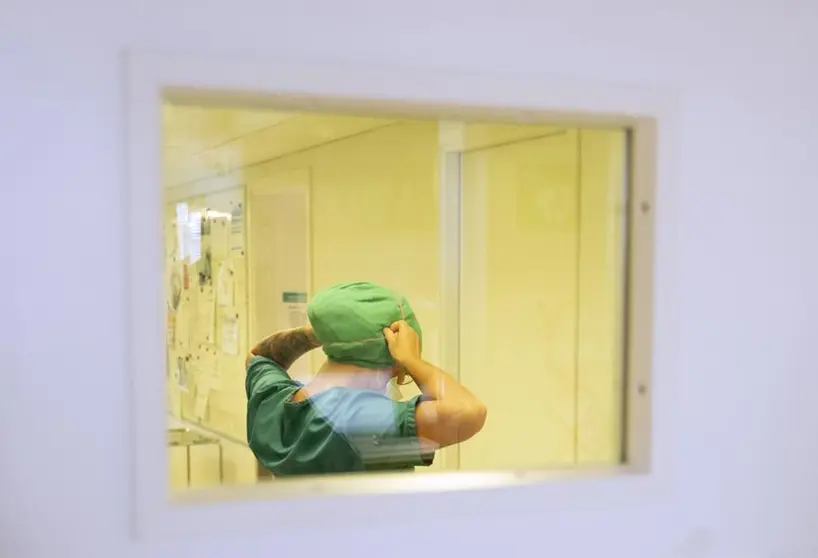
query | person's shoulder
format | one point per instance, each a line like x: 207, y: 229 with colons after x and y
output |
x: 256, y: 363
x: 265, y: 377
x: 299, y: 437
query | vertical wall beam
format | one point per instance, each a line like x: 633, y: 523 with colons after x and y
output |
x: 450, y: 141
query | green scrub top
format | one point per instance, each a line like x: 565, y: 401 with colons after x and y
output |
x: 339, y: 430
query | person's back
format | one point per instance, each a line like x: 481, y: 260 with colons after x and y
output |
x: 336, y: 430
x: 342, y: 421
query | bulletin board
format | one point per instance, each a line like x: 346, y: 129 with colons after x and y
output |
x: 207, y: 310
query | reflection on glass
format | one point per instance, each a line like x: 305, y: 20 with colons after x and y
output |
x: 286, y: 232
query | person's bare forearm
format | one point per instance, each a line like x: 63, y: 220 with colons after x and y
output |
x: 285, y: 347
x: 436, y: 385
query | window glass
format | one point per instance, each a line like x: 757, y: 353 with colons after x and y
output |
x: 266, y: 210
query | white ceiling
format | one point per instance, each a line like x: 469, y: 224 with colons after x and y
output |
x: 188, y: 130
x: 201, y: 142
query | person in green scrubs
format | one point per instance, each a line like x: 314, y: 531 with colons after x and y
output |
x: 343, y: 421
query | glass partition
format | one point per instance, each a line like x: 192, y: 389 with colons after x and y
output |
x: 265, y: 210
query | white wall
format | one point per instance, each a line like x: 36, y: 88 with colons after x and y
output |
x: 736, y: 267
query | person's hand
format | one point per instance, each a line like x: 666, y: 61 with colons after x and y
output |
x: 403, y: 342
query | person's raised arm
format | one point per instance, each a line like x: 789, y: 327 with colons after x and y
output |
x: 450, y: 413
x: 285, y: 347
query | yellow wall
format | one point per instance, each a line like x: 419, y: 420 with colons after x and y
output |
x: 540, y: 273
x: 540, y: 299
x: 519, y: 300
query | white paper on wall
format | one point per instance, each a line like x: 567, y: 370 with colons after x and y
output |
x: 206, y: 315
x: 209, y: 370
x: 226, y: 285
x: 181, y: 324
x: 201, y: 404
x: 202, y: 385
x: 194, y: 237
x: 237, y: 228
x: 182, y: 231
x: 181, y: 373
x: 230, y: 335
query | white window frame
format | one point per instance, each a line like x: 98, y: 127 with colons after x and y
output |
x: 334, y: 502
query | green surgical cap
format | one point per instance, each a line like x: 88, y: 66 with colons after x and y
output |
x: 348, y: 319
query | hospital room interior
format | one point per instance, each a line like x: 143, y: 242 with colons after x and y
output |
x: 510, y: 241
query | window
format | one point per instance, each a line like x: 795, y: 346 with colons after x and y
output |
x: 510, y: 241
